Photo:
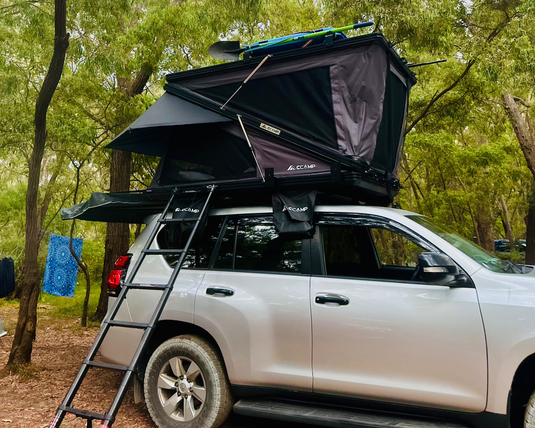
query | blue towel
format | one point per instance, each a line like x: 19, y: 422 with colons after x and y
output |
x: 61, y: 268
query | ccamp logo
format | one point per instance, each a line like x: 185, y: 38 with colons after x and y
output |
x: 188, y: 209
x: 299, y: 167
x: 295, y: 209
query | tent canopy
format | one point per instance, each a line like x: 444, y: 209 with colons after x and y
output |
x: 346, y: 99
x: 116, y: 207
x: 169, y: 116
x: 328, y: 116
x: 302, y: 110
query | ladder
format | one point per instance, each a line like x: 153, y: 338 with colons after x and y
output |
x: 108, y: 418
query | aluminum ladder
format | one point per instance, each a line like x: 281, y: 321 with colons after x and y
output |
x: 108, y: 418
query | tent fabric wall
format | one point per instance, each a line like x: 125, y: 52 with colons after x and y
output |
x: 344, y: 104
x: 272, y: 153
x: 357, y: 78
x: 301, y: 100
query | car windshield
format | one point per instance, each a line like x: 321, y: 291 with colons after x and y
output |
x: 469, y: 248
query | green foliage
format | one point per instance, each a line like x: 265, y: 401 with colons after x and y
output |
x: 462, y: 155
x: 69, y: 308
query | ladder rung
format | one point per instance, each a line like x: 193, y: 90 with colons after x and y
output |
x: 107, y: 366
x: 128, y: 324
x: 179, y: 220
x: 85, y: 414
x: 145, y: 286
x: 161, y: 252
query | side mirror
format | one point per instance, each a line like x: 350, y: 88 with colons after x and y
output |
x: 436, y: 268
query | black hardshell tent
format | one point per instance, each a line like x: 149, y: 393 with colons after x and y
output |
x: 329, y: 117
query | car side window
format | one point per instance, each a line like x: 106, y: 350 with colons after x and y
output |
x: 367, y: 250
x: 258, y: 247
x: 200, y: 251
x: 395, y: 249
x: 347, y: 251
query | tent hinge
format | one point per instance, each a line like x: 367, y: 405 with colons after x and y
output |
x: 329, y: 39
x: 336, y: 172
x: 269, y: 174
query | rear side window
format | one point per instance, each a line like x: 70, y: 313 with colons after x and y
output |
x: 225, y: 256
x: 198, y: 256
x: 252, y: 244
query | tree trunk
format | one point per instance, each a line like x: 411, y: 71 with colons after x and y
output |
x: 485, y: 230
x: 522, y: 127
x: 21, y: 349
x: 118, y: 234
x: 507, y: 224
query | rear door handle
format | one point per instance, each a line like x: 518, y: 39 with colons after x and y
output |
x: 324, y: 298
x: 219, y: 291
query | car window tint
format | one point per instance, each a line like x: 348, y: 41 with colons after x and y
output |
x: 198, y: 256
x: 367, y: 250
x: 394, y: 249
x: 225, y: 255
x: 347, y: 251
x: 260, y: 248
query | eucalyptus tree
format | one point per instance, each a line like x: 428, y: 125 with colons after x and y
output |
x: 27, y: 321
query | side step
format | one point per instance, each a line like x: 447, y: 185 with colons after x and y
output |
x: 337, y: 417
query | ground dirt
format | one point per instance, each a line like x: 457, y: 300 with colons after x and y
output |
x: 30, y: 401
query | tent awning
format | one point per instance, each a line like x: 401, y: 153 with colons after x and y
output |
x: 150, y: 133
x: 116, y: 207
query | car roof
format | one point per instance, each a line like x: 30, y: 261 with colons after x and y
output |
x: 345, y: 209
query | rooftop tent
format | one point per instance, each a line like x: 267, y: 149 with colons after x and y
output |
x: 344, y: 100
x: 328, y: 117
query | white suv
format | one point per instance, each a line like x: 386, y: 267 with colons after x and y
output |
x: 380, y: 319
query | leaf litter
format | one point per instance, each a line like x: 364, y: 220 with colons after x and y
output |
x: 30, y: 399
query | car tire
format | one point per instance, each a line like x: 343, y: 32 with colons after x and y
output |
x: 529, y: 415
x: 186, y: 385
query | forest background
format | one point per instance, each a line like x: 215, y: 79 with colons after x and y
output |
x: 469, y: 159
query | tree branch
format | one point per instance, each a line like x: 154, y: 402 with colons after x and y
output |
x: 435, y: 98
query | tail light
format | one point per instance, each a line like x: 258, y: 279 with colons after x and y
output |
x: 118, y: 274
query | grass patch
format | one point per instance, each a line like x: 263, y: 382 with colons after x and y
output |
x: 25, y: 372
x: 5, y: 303
x: 70, y: 307
x: 51, y: 308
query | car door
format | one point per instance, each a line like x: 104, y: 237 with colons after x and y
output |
x: 379, y: 333
x: 255, y: 302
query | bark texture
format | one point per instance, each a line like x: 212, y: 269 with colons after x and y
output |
x: 21, y: 349
x: 507, y: 223
x: 117, y: 234
x: 523, y: 128
x: 530, y: 235
x: 485, y: 229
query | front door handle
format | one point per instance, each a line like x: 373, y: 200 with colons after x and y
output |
x: 219, y: 291
x: 324, y: 298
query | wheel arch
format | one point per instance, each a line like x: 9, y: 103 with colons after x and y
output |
x: 167, y: 329
x: 522, y: 386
